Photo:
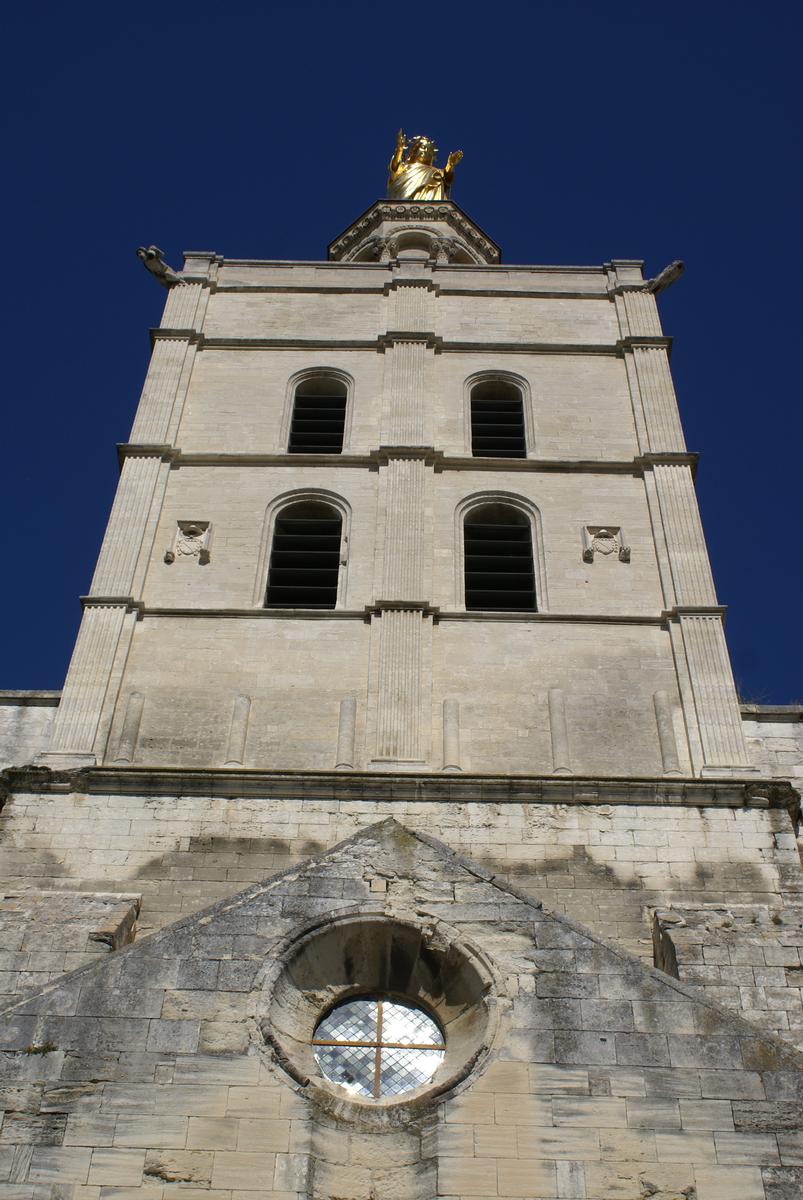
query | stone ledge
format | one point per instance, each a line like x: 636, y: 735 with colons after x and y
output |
x: 421, y: 787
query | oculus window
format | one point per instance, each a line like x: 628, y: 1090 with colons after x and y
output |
x: 378, y: 1046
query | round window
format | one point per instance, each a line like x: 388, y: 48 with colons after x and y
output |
x: 377, y: 1046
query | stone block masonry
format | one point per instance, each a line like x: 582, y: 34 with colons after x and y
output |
x: 150, y: 1072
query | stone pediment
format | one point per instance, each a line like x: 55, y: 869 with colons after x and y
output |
x: 186, y: 1058
x: 437, y: 229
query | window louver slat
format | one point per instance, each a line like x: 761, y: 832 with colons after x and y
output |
x: 318, y: 423
x: 498, y: 553
x: 497, y: 421
x: 305, y: 558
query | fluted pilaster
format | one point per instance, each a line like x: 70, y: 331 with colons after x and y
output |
x: 399, y: 700
x: 683, y: 534
x: 410, y: 308
x: 87, y: 679
x: 114, y: 574
x: 641, y: 313
x: 714, y: 691
x: 167, y: 377
x: 405, y: 481
x: 183, y: 305
x: 404, y: 417
x: 655, y: 400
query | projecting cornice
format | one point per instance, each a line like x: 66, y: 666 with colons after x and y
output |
x: 356, y: 786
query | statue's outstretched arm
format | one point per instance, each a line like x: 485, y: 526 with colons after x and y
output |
x: 401, y: 146
x: 451, y: 162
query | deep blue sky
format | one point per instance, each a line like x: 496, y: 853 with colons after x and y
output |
x: 590, y: 131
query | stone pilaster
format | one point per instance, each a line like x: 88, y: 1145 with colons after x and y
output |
x: 714, y: 692
x: 79, y: 711
x: 122, y: 543
x: 653, y: 395
x: 185, y: 307
x: 405, y: 482
x: 402, y: 627
x: 166, y: 384
x: 690, y: 570
x: 640, y: 314
x: 404, y: 420
x: 410, y: 306
x: 398, y: 720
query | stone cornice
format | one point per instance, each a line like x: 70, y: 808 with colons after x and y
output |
x: 380, y: 342
x: 421, y: 788
x: 359, y: 614
x: 126, y: 602
x: 146, y: 450
x: 439, y: 459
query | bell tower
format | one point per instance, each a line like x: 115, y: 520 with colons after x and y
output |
x: 517, y: 572
x: 400, y: 738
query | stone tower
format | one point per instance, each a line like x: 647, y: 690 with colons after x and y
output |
x: 404, y: 623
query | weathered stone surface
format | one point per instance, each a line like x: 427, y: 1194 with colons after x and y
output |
x: 587, y: 1108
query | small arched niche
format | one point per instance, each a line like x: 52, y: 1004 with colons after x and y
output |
x: 375, y: 955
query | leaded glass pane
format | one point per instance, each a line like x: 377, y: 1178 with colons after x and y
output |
x: 350, y: 1066
x: 376, y: 1047
x: 354, y: 1021
x: 403, y: 1023
x: 403, y: 1069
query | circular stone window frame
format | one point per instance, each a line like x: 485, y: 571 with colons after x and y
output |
x: 426, y: 963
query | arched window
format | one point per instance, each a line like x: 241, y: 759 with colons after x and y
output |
x: 498, y: 558
x: 319, y: 416
x: 497, y: 420
x: 305, y: 557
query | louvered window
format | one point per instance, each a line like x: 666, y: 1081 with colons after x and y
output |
x: 497, y: 421
x: 305, y: 557
x: 498, y: 552
x: 319, y: 415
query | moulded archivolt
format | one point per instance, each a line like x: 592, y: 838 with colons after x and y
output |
x: 395, y: 953
x: 299, y: 496
x: 304, y: 376
x: 523, y: 505
x: 516, y: 381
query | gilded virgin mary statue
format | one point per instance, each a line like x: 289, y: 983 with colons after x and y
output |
x: 413, y: 174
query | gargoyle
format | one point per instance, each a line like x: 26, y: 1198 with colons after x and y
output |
x: 153, y: 259
x: 668, y: 275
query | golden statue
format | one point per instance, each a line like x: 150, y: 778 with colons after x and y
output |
x: 416, y: 177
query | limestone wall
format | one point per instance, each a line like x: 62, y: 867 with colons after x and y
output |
x: 25, y: 721
x: 608, y: 866
x: 182, y: 1064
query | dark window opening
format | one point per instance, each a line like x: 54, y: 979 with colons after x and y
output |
x: 319, y: 416
x: 497, y: 421
x: 498, y: 552
x: 305, y: 557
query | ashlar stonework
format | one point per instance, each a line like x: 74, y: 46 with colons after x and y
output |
x: 405, y: 547
x: 588, y: 1075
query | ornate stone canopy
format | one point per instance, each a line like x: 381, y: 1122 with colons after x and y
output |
x: 436, y: 230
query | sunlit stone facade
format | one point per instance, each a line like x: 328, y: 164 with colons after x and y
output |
x: 406, y: 551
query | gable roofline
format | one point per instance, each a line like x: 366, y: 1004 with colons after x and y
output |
x: 391, y: 831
